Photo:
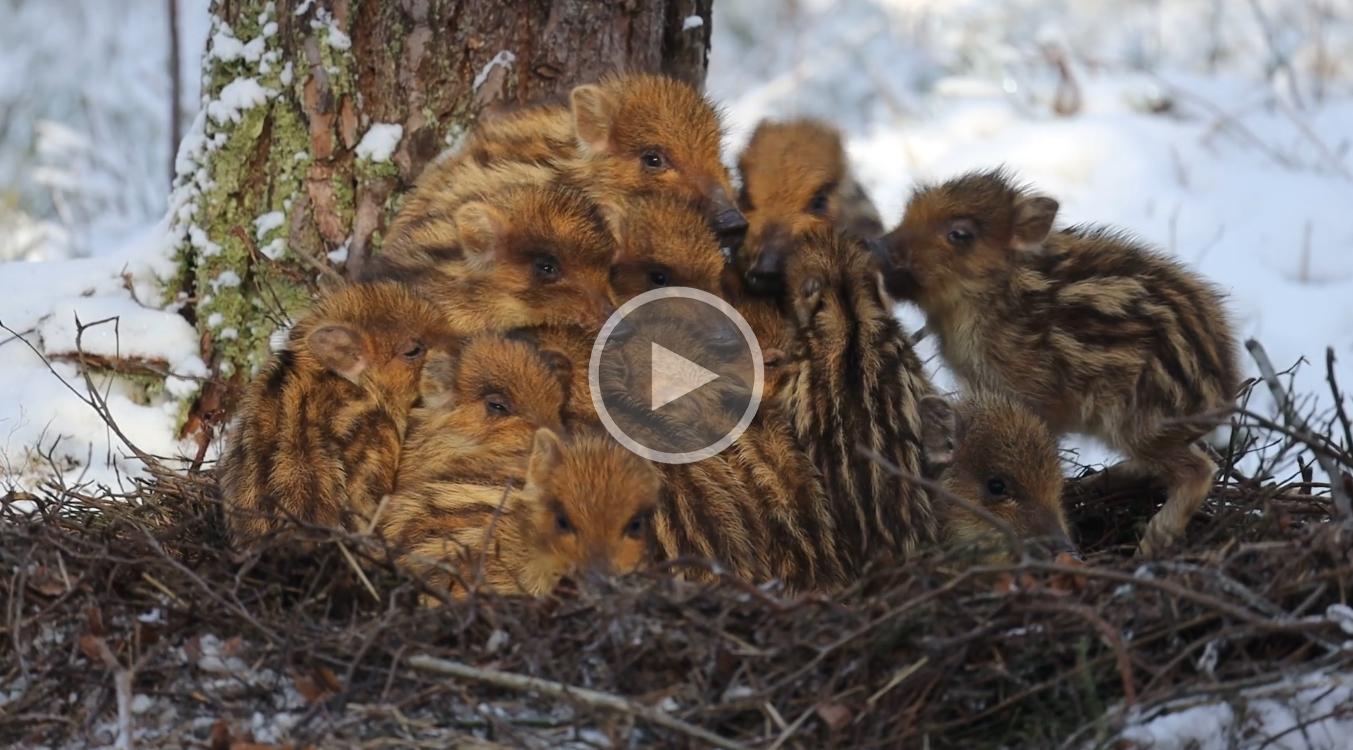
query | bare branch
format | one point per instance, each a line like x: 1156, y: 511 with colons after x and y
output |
x: 587, y: 697
x: 1342, y: 505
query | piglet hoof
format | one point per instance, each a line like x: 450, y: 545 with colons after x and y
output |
x: 1063, y: 583
x: 809, y: 300
x: 1155, y: 542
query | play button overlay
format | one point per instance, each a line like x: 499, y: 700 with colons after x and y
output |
x: 674, y: 376
x: 684, y: 383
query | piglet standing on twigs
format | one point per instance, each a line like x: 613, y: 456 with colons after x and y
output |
x: 1097, y: 333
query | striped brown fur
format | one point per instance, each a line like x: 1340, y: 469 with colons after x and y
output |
x: 572, y: 344
x: 796, y: 178
x: 584, y: 511
x: 644, y: 134
x: 318, y: 432
x: 776, y: 332
x: 991, y: 451
x: 527, y: 147
x: 478, y: 414
x: 757, y: 508
x: 624, y: 136
x: 664, y: 242
x: 526, y: 255
x: 772, y: 518
x: 1099, y: 334
x: 858, y: 384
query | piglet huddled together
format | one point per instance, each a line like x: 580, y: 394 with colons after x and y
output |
x: 442, y: 401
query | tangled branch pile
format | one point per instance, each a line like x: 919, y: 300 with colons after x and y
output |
x: 128, y: 622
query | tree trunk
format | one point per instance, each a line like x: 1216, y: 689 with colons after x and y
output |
x: 318, y: 114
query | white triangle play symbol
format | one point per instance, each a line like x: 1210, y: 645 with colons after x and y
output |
x: 674, y: 376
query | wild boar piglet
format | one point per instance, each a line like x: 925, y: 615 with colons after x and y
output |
x: 992, y: 452
x: 524, y: 256
x: 583, y: 512
x: 1097, y: 333
x: 319, y: 431
x: 796, y: 177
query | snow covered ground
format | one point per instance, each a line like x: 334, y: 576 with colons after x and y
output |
x: 1219, y: 129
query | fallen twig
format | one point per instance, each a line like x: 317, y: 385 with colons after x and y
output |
x: 591, y: 698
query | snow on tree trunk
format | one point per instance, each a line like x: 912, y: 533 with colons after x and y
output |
x: 318, y: 114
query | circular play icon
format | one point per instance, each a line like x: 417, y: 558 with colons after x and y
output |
x: 684, y: 382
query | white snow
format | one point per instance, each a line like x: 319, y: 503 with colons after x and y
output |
x: 268, y: 222
x: 380, y: 141
x: 692, y: 22
x: 1341, y: 614
x: 41, y: 417
x: 1303, y: 712
x: 237, y: 96
x: 226, y: 279
x: 338, y: 40
x: 325, y: 20
x: 503, y: 58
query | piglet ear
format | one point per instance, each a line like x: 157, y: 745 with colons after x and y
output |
x: 547, y: 451
x: 560, y: 366
x: 594, y: 114
x: 437, y: 382
x: 614, y: 216
x: 1033, y: 221
x: 481, y: 229
x: 341, y: 350
x: 941, y: 430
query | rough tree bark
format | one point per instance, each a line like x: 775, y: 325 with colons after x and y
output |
x: 318, y: 114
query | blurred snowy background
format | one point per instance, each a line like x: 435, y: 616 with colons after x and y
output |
x: 1219, y: 129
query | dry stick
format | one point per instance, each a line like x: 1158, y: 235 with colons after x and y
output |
x: 1115, y: 640
x: 590, y: 698
x: 175, y: 90
x: 1338, y: 713
x: 1169, y: 587
x: 793, y: 727
x: 1320, y: 145
x: 1338, y: 399
x: 240, y: 609
x: 1342, y: 505
x: 352, y: 563
x: 122, y: 682
x: 94, y: 400
x: 1016, y: 545
x: 775, y: 604
x: 1295, y: 434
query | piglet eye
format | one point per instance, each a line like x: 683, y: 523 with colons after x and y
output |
x: 635, y: 528
x: 996, y: 488
x: 414, y: 351
x: 820, y: 203
x: 498, y: 405
x: 547, y: 268
x: 561, y: 522
x: 960, y: 236
x: 658, y: 278
x: 653, y: 161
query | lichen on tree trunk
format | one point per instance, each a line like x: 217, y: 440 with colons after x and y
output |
x: 319, y: 114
